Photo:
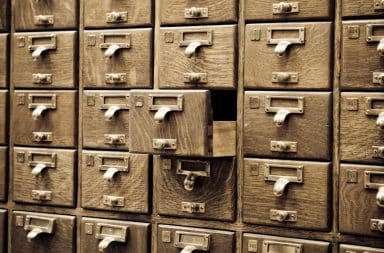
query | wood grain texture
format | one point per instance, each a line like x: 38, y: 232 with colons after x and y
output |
x: 310, y: 199
x: 61, y: 241
x: 224, y: 138
x: 260, y: 130
x: 60, y: 180
x: 217, y: 192
x: 132, y: 185
x: 218, y: 61
x: 4, y: 60
x: 221, y: 11
x: 62, y: 121
x: 360, y: 58
x: 137, y: 240
x: 344, y: 248
x: 3, y: 230
x: 310, y: 60
x: 64, y: 13
x: 4, y: 17
x: 361, y: 8
x: 135, y: 61
x: 59, y: 62
x: 3, y: 116
x: 3, y: 173
x: 358, y: 131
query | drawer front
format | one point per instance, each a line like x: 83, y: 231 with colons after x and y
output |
x: 44, y: 176
x: 100, y: 235
x: 3, y: 174
x: 115, y: 181
x: 118, y: 58
x: 110, y: 13
x: 42, y: 15
x: 4, y: 10
x: 266, y: 244
x: 106, y: 119
x: 353, y: 8
x: 44, y: 60
x: 175, y: 239
x: 3, y: 231
x: 361, y: 127
x: 170, y: 122
x: 42, y: 233
x: 203, y: 56
x: 196, y: 188
x: 3, y: 60
x: 3, y: 116
x: 282, y: 124
x: 44, y: 118
x: 287, y: 193
x: 362, y: 64
x: 344, y: 248
x: 362, y: 200
x: 287, y: 10
x: 288, y: 56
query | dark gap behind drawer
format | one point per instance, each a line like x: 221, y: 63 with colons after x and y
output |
x: 224, y: 104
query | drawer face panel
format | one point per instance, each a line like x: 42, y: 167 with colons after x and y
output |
x: 3, y: 174
x: 4, y: 20
x: 115, y: 181
x: 43, y: 15
x: 3, y: 116
x: 110, y: 13
x: 45, y: 118
x: 362, y: 199
x: 3, y: 230
x: 362, y: 64
x: 3, y: 60
x: 265, y: 243
x: 106, y: 119
x: 170, y: 122
x: 287, y: 193
x: 196, y: 188
x: 114, y: 236
x: 44, y: 60
x: 288, y: 56
x: 118, y: 58
x: 44, y: 176
x: 198, y: 11
x: 203, y: 56
x: 353, y: 8
x: 361, y: 123
x: 282, y: 124
x: 175, y: 239
x: 344, y: 248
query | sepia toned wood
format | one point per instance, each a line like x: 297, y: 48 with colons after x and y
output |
x: 61, y: 122
x: 137, y: 238
x: 360, y: 59
x: 134, y: 62
x: 217, y: 191
x: 221, y: 11
x: 311, y: 130
x: 4, y: 67
x: 3, y: 174
x: 59, y: 62
x: 132, y: 185
x: 218, y: 61
x: 59, y: 180
x: 62, y: 239
x: 224, y: 138
x: 312, y: 9
x: 64, y: 14
x: 310, y: 199
x: 358, y: 131
x: 4, y: 15
x: 311, y: 60
x: 3, y: 116
x: 3, y: 230
x: 219, y: 242
x: 361, y: 8
x: 344, y: 248
x: 95, y: 125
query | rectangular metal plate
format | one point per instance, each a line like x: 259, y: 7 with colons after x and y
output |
x: 368, y: 184
x: 370, y: 110
x: 116, y: 17
x: 205, y: 42
x: 378, y: 5
x: 299, y: 40
x: 44, y: 20
x: 41, y: 195
x: 114, y: 139
x: 297, y: 110
x: 38, y: 78
x: 113, y: 201
x: 164, y: 144
x: 123, y: 105
x: 192, y: 207
x: 116, y: 78
x: 50, y: 164
x: 275, y: 216
x: 195, y: 78
x: 292, y: 77
x: 294, y: 179
x: 374, y: 224
x: 284, y: 146
x: 42, y: 137
x: 118, y: 233
x: 199, y: 240
x: 275, y: 246
x: 377, y: 153
x: 294, y: 8
x: 43, y: 223
x: 177, y: 106
x: 371, y: 37
x: 378, y: 78
x: 125, y: 43
x: 195, y: 13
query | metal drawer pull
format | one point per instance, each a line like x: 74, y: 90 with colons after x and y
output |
x: 276, y: 247
x: 380, y: 197
x: 380, y: 120
x: 192, y: 169
x: 42, y: 226
x: 371, y: 111
x: 190, y: 241
x: 380, y: 48
x: 39, y: 108
x: 111, y: 50
x: 378, y: 152
x: 113, y: 108
x: 44, y: 20
x: 285, y: 8
x: 283, y: 216
x: 368, y: 184
x: 41, y: 195
x: 188, y: 249
x: 282, y: 47
x: 38, y: 50
x: 110, y: 113
x: 112, y: 170
x: 115, y: 78
x: 39, y: 78
x: 163, y: 109
x: 285, y: 77
x: 113, y: 47
x: 113, y: 201
x: 378, y: 78
x: 116, y: 17
x: 164, y: 144
x: 37, y: 113
x: 283, y: 44
x: 375, y: 38
x: 193, y: 45
x: 195, y: 13
x: 281, y: 182
x: 38, y: 169
x: 283, y: 112
x: 109, y: 174
x: 195, y: 78
x: 192, y: 48
x: 377, y: 225
x: 114, y: 139
x: 42, y: 137
x: 378, y: 5
x: 109, y: 233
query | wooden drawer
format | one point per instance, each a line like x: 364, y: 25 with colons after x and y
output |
x: 265, y: 243
x: 288, y: 10
x: 3, y: 116
x: 43, y: 15
x: 283, y: 124
x: 178, y: 122
x: 118, y: 58
x: 106, y: 119
x: 45, y: 118
x: 100, y: 235
x: 176, y: 239
x: 195, y: 188
x: 115, y: 181
x: 4, y: 15
x: 198, y: 11
x: 287, y: 193
x: 3, y: 174
x: 361, y: 123
x: 202, y: 56
x: 353, y: 8
x: 44, y: 176
x: 362, y: 64
x: 42, y: 233
x: 288, y: 56
x: 344, y: 248
x: 3, y: 231
x: 3, y: 60
x: 44, y: 60
x: 112, y: 13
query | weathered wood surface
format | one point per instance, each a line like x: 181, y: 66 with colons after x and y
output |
x: 4, y: 67
x: 3, y: 230
x: 3, y: 174
x: 361, y: 8
x: 3, y: 116
x: 4, y: 15
x: 344, y: 248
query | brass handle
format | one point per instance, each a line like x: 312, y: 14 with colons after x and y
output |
x: 34, y: 233
x: 109, y: 174
x: 283, y: 77
x: 104, y: 244
x: 112, y: 49
x: 38, y: 169
x: 281, y: 215
x: 380, y: 79
x: 380, y: 197
x: 192, y: 48
x: 161, y: 114
x: 189, y: 182
x: 380, y: 47
x: 380, y: 226
x: 279, y: 186
x: 41, y: 136
x: 116, y: 16
x: 110, y: 113
x: 282, y: 47
x: 37, y: 113
x: 280, y: 117
x: 194, y: 12
x: 380, y: 120
x: 284, y: 7
x: 37, y: 53
x: 188, y: 249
